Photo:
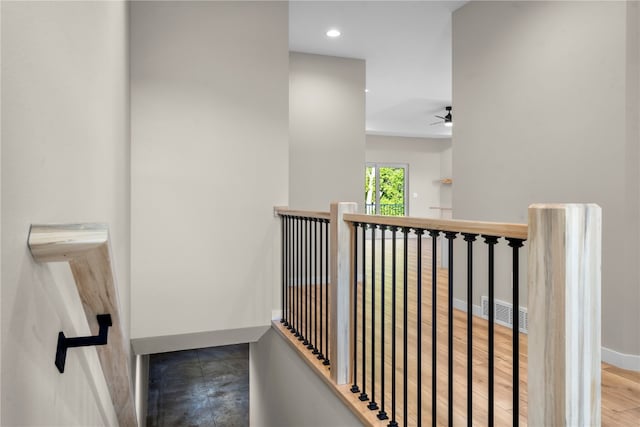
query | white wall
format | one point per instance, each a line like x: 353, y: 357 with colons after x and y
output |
x: 284, y: 392
x: 209, y: 161
x: 424, y: 156
x: 65, y: 158
x: 0, y: 210
x: 632, y: 167
x: 446, y: 171
x: 540, y: 90
x: 326, y: 130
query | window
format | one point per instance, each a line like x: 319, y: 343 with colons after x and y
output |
x: 385, y: 189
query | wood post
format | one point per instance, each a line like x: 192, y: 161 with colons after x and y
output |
x: 340, y: 292
x: 564, y: 315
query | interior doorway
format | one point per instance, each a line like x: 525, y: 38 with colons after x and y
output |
x: 385, y: 189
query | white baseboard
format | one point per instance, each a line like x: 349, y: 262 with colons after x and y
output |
x: 621, y: 360
x: 462, y: 306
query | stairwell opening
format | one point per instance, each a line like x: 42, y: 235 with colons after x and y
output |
x: 201, y: 387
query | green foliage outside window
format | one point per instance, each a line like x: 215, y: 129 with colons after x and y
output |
x: 391, y: 186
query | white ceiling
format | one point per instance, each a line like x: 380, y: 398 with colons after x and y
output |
x: 407, y: 48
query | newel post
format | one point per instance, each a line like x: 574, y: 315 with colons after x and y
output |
x: 564, y: 315
x: 340, y: 297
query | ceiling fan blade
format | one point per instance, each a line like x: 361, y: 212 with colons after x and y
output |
x: 440, y: 117
x: 436, y: 123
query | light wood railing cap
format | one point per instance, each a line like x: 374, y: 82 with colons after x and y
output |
x: 500, y: 229
x: 279, y: 210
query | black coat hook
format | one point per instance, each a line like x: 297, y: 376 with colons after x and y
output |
x: 104, y: 321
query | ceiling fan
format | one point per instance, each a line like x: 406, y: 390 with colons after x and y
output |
x: 447, y: 120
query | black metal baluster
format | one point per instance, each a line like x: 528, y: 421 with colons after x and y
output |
x: 283, y: 320
x: 308, y: 294
x: 516, y: 244
x: 320, y: 281
x: 354, y: 387
x: 287, y: 323
x: 491, y: 241
x: 363, y: 395
x: 434, y: 304
x: 296, y: 278
x: 372, y: 404
x: 290, y: 241
x: 326, y: 292
x: 469, y: 238
x: 405, y: 319
x: 419, y: 234
x: 450, y: 235
x: 393, y: 422
x: 300, y: 281
x: 282, y: 232
x: 307, y: 269
x: 309, y: 285
x: 319, y: 285
x: 303, y: 274
x: 289, y: 269
x: 314, y: 343
x: 292, y: 279
x: 382, y: 415
x: 311, y: 282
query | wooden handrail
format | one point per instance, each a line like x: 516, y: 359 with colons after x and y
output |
x: 564, y: 302
x: 304, y: 214
x: 500, y: 229
x: 86, y: 247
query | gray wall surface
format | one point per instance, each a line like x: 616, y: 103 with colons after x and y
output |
x: 284, y: 392
x: 326, y: 131
x: 546, y: 109
x: 209, y: 84
x: 65, y: 159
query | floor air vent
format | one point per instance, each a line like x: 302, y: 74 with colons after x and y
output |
x: 503, y: 314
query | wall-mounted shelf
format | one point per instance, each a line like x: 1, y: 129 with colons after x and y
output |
x: 87, y: 250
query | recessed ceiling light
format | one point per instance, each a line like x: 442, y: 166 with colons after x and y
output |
x: 366, y: 91
x: 333, y: 33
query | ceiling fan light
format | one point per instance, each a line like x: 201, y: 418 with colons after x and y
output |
x: 448, y: 119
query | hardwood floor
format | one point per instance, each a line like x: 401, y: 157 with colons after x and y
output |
x: 620, y: 388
